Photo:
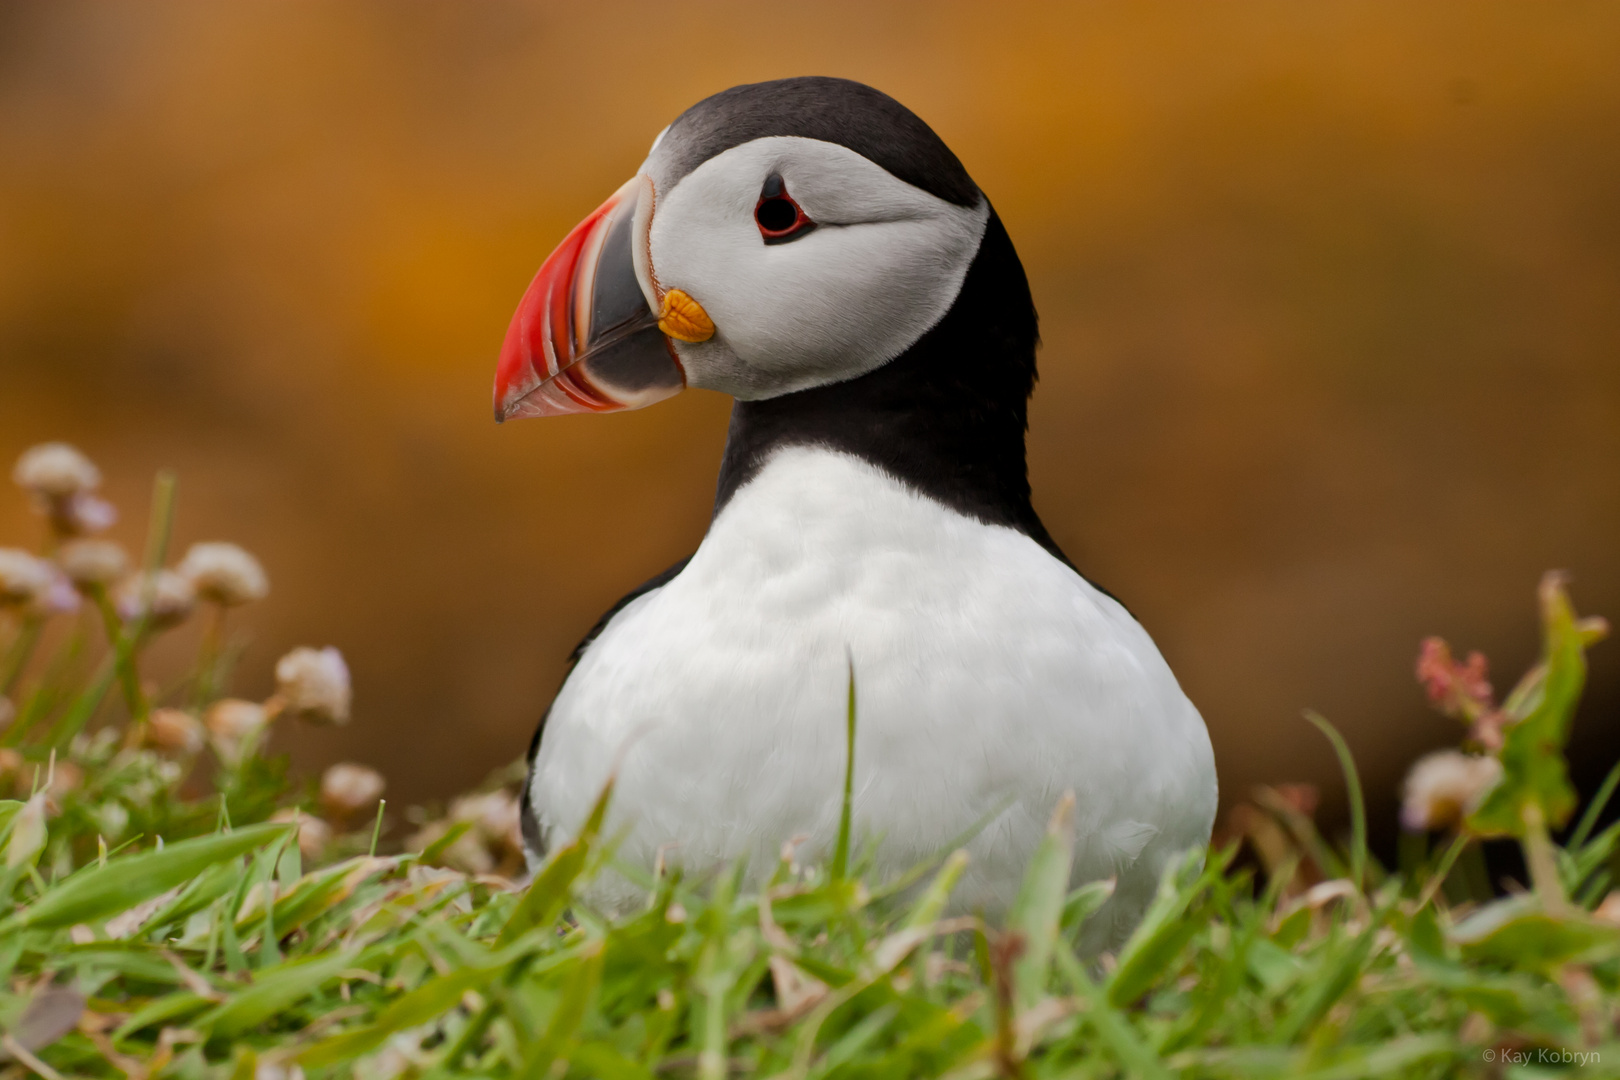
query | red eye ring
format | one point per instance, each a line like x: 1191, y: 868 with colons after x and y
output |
x: 778, y: 216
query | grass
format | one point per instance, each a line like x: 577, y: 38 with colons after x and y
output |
x: 155, y: 921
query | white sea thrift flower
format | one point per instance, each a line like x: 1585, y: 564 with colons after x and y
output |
x: 1446, y: 786
x: 234, y: 727
x: 24, y: 579
x: 467, y: 852
x: 224, y: 574
x: 496, y: 836
x: 92, y: 562
x: 313, y: 833
x: 172, y: 599
x: 55, y: 470
x: 174, y: 729
x: 233, y: 718
x: 495, y: 816
x: 314, y: 685
x: 347, y: 788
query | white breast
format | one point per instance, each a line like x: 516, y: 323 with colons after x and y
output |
x: 991, y: 678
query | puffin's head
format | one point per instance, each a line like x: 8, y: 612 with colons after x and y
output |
x: 779, y: 236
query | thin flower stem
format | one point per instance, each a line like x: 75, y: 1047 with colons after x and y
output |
x: 84, y: 706
x: 210, y: 652
x: 1352, y: 787
x: 1542, y: 860
x: 159, y: 528
x: 22, y: 648
x: 128, y: 677
x: 1441, y: 872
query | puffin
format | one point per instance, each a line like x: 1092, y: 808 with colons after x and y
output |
x: 813, y: 249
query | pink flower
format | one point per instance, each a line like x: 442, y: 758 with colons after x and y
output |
x: 1457, y: 690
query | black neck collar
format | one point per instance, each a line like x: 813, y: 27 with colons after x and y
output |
x: 946, y: 417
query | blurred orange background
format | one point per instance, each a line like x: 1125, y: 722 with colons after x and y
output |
x: 1330, y: 297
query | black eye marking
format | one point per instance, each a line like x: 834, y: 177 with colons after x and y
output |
x: 780, y: 219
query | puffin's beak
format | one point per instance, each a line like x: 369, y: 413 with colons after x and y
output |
x: 585, y: 338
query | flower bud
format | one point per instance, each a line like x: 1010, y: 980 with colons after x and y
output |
x: 174, y: 729
x: 224, y: 574
x: 55, y: 470
x: 1445, y: 787
x: 171, y: 597
x: 234, y: 727
x: 347, y: 788
x: 92, y: 562
x: 313, y: 684
x: 233, y: 718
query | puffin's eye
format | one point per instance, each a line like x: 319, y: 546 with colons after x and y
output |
x: 780, y: 219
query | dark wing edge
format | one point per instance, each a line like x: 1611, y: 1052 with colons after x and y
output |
x: 532, y: 840
x: 657, y: 582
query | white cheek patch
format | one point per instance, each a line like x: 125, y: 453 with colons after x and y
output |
x: 884, y: 264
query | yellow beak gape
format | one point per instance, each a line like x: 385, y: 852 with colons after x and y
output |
x: 684, y: 319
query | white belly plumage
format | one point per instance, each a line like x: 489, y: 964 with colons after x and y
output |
x: 991, y: 678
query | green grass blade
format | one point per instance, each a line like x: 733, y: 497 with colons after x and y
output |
x: 932, y: 902
x: 273, y: 991
x: 1352, y: 789
x: 1109, y: 1023
x: 1594, y: 809
x: 578, y: 996
x: 1332, y: 979
x: 548, y: 894
x: 422, y: 1005
x: 1037, y: 912
x: 98, y: 892
x: 160, y: 1010
x: 1175, y: 916
x: 840, y: 860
